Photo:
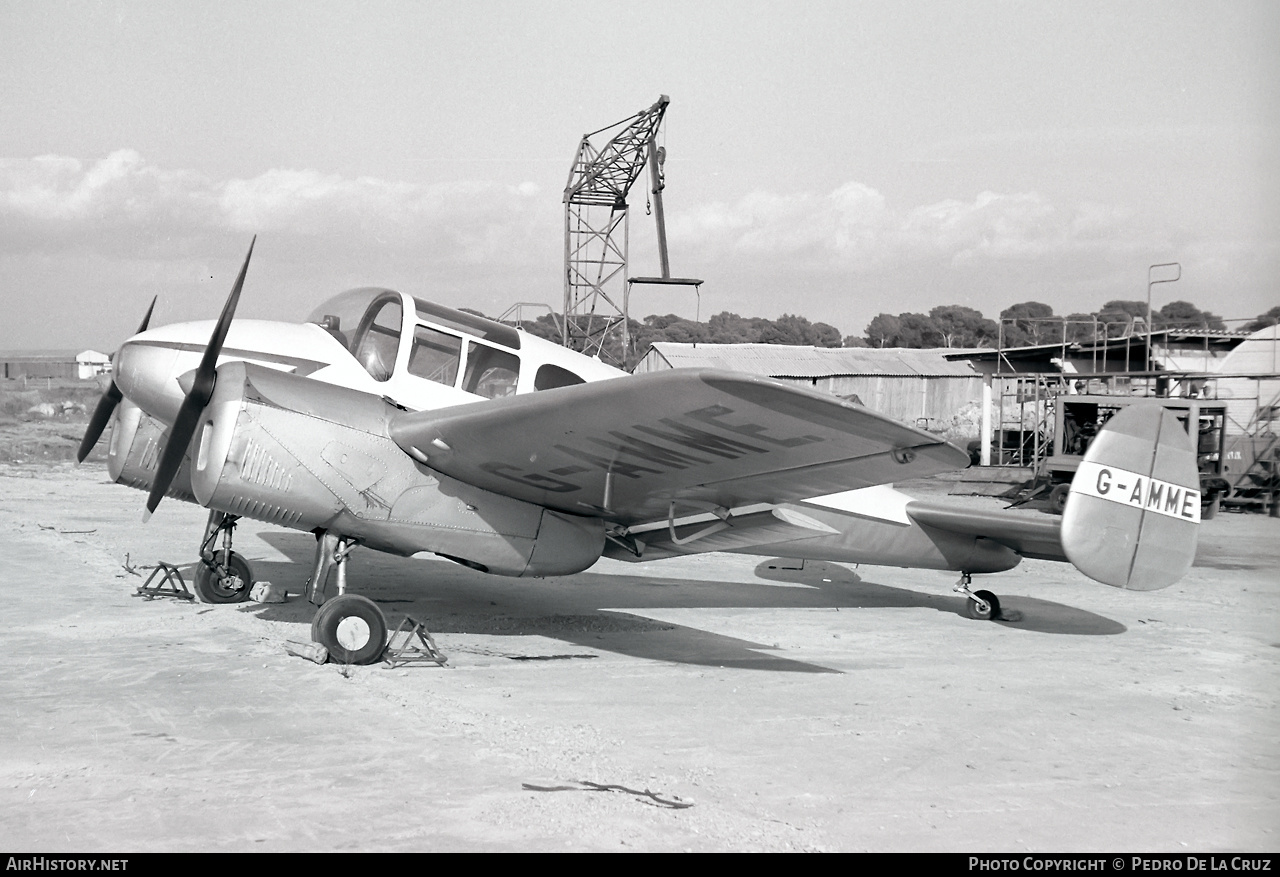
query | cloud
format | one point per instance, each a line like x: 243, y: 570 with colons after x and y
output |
x: 126, y: 206
x: 124, y: 226
x: 853, y: 229
x: 122, y: 204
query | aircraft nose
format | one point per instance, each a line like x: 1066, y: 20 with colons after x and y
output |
x: 146, y: 372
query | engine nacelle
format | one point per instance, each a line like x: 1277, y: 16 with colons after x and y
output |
x: 288, y: 450
x: 134, y: 450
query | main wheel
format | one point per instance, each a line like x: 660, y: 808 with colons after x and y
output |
x: 992, y: 610
x: 352, y: 628
x: 233, y: 586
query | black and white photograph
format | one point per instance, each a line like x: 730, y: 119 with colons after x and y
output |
x: 583, y: 426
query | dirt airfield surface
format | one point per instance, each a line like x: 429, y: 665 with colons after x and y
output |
x: 821, y: 709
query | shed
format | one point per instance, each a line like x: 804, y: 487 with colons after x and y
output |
x: 91, y: 363
x: 917, y: 386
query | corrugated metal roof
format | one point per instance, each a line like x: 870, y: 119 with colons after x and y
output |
x: 784, y: 361
x: 46, y: 355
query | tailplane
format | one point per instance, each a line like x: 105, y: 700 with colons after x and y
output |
x: 1134, y: 507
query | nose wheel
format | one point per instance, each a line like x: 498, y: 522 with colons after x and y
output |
x: 228, y: 579
x: 223, y: 575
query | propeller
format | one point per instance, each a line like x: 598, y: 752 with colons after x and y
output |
x: 184, y: 426
x: 107, y: 404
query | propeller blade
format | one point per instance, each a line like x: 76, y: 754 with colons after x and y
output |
x: 184, y: 426
x: 107, y: 404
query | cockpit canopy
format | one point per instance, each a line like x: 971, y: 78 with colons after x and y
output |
x: 447, y: 346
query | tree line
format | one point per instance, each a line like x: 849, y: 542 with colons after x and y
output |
x: 1032, y: 322
x: 1023, y: 324
x: 723, y: 328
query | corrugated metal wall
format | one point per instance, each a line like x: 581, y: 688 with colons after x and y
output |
x: 902, y: 397
x: 914, y: 386
x: 36, y: 368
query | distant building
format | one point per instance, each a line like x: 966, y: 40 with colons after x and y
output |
x: 920, y: 387
x: 55, y: 364
x: 59, y: 364
x: 1250, y: 383
x: 91, y: 363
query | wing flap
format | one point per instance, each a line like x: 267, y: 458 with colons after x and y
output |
x: 769, y: 527
x: 625, y: 449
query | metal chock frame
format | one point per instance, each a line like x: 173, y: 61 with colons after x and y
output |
x: 170, y: 585
x: 425, y: 651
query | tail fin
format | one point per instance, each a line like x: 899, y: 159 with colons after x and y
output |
x: 1134, y: 507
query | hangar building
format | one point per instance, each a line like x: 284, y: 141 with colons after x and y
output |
x: 57, y: 364
x: 920, y: 387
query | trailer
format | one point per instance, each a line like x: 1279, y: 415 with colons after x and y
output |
x: 1251, y: 470
x: 1077, y: 418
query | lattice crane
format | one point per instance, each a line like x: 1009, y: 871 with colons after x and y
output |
x: 597, y: 288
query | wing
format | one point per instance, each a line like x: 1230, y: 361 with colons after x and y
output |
x: 626, y: 449
x: 1029, y: 533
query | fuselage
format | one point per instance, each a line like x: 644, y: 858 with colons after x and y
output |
x: 421, y: 356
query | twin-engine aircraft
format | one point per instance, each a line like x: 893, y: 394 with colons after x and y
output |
x: 415, y: 429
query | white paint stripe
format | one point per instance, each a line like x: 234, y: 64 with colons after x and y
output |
x: 1137, y: 491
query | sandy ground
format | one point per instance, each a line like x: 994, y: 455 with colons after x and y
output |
x: 826, y: 709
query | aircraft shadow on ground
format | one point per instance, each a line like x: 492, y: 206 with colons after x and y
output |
x: 589, y: 609
x: 1215, y: 557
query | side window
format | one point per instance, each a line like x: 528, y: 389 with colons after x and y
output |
x: 435, y: 356
x: 551, y: 376
x: 490, y: 372
x: 379, y: 338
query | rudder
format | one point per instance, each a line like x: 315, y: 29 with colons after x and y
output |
x: 1133, y: 510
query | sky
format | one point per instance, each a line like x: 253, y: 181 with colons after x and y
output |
x: 835, y: 160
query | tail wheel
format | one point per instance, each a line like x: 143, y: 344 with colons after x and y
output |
x: 352, y: 628
x: 230, y: 584
x: 976, y: 611
x: 1058, y: 498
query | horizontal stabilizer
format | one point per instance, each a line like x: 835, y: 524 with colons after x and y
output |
x: 1134, y: 507
x: 1028, y: 533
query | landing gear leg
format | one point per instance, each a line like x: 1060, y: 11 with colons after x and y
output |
x: 328, y: 544
x: 980, y: 605
x: 223, y: 576
x: 350, y: 626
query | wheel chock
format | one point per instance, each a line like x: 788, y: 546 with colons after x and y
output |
x: 171, y: 584
x: 265, y: 592
x: 313, y: 652
x: 407, y: 651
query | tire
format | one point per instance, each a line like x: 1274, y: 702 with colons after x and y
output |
x: 1058, y: 498
x: 352, y: 628
x: 993, y: 606
x: 233, y: 588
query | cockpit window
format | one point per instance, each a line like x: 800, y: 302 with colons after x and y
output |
x: 480, y: 327
x: 551, y: 376
x: 435, y: 355
x: 491, y: 373
x: 378, y: 337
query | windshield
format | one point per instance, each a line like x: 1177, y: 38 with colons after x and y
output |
x: 367, y: 322
x: 340, y: 316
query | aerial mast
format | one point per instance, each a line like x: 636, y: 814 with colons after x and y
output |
x: 596, y: 241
